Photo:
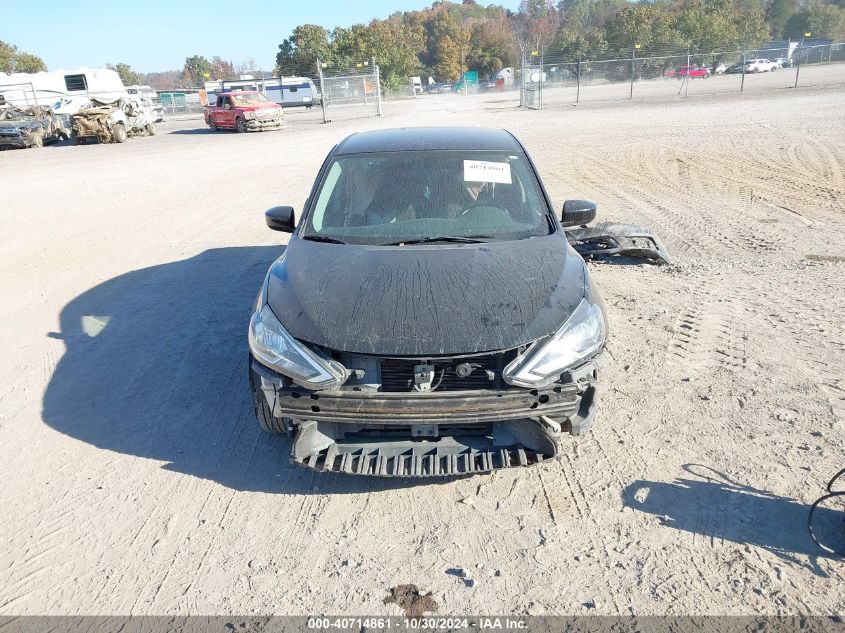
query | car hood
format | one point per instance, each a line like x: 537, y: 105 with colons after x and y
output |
x: 261, y: 106
x: 426, y: 300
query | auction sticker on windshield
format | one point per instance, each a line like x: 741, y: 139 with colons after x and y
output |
x: 487, y: 171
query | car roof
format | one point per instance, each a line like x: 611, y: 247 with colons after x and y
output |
x: 429, y: 138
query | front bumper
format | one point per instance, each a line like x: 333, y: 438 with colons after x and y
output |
x: 18, y: 139
x: 266, y: 124
x: 438, y: 433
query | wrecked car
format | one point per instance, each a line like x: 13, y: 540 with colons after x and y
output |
x: 429, y: 316
x: 112, y: 121
x: 244, y: 111
x: 29, y: 127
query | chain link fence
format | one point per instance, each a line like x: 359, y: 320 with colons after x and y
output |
x: 550, y: 75
x: 349, y: 89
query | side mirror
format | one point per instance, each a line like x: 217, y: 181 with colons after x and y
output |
x: 280, y: 219
x: 578, y: 212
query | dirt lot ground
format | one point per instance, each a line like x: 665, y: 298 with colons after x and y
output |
x: 135, y: 480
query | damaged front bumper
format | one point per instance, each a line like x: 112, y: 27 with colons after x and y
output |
x: 265, y: 124
x: 16, y: 139
x: 436, y: 433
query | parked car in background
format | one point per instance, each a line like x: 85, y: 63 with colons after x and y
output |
x: 718, y: 69
x: 243, y: 111
x: 784, y: 62
x: 696, y: 71
x: 760, y: 65
x: 29, y: 127
x: 735, y: 69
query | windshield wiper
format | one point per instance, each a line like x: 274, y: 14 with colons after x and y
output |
x: 323, y: 238
x: 475, y: 239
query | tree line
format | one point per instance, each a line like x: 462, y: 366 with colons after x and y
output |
x: 14, y: 61
x: 447, y: 38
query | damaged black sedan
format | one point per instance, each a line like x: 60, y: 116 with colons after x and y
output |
x: 429, y: 315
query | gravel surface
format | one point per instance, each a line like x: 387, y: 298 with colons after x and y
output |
x: 134, y: 478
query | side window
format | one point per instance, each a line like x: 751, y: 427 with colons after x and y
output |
x: 293, y: 88
x: 220, y: 102
x: 325, y: 194
x: 76, y: 82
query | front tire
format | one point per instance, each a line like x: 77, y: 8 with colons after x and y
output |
x: 266, y: 419
x: 37, y: 141
x: 118, y: 133
x: 212, y: 125
x: 151, y: 129
x: 240, y: 125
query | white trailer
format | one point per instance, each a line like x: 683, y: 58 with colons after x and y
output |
x: 65, y: 91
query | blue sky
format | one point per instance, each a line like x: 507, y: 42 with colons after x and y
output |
x: 153, y: 35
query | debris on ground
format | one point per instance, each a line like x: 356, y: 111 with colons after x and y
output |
x: 463, y: 574
x: 412, y: 602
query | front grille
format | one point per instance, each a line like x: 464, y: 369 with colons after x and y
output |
x: 397, y: 375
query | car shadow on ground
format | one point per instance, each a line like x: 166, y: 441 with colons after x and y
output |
x: 156, y: 366
x: 710, y: 504
x: 198, y: 130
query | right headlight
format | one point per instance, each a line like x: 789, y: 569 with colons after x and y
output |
x: 273, y: 346
x: 581, y: 336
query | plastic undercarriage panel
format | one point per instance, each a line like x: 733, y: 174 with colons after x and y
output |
x: 325, y: 447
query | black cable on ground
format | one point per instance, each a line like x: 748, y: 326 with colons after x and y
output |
x: 830, y: 495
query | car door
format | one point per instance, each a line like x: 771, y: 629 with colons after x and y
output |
x: 227, y: 111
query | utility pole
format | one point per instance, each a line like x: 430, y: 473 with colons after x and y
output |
x: 801, y: 50
x: 742, y: 83
x: 686, y: 88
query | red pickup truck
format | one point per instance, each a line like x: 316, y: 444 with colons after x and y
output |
x: 244, y: 110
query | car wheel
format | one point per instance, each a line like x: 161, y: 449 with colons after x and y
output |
x: 212, y: 125
x: 240, y: 125
x: 37, y: 141
x: 118, y: 133
x: 266, y: 419
x: 151, y: 129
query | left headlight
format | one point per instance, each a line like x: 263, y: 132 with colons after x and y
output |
x: 271, y: 345
x: 580, y: 337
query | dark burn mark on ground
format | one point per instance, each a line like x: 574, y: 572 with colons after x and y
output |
x: 408, y: 597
